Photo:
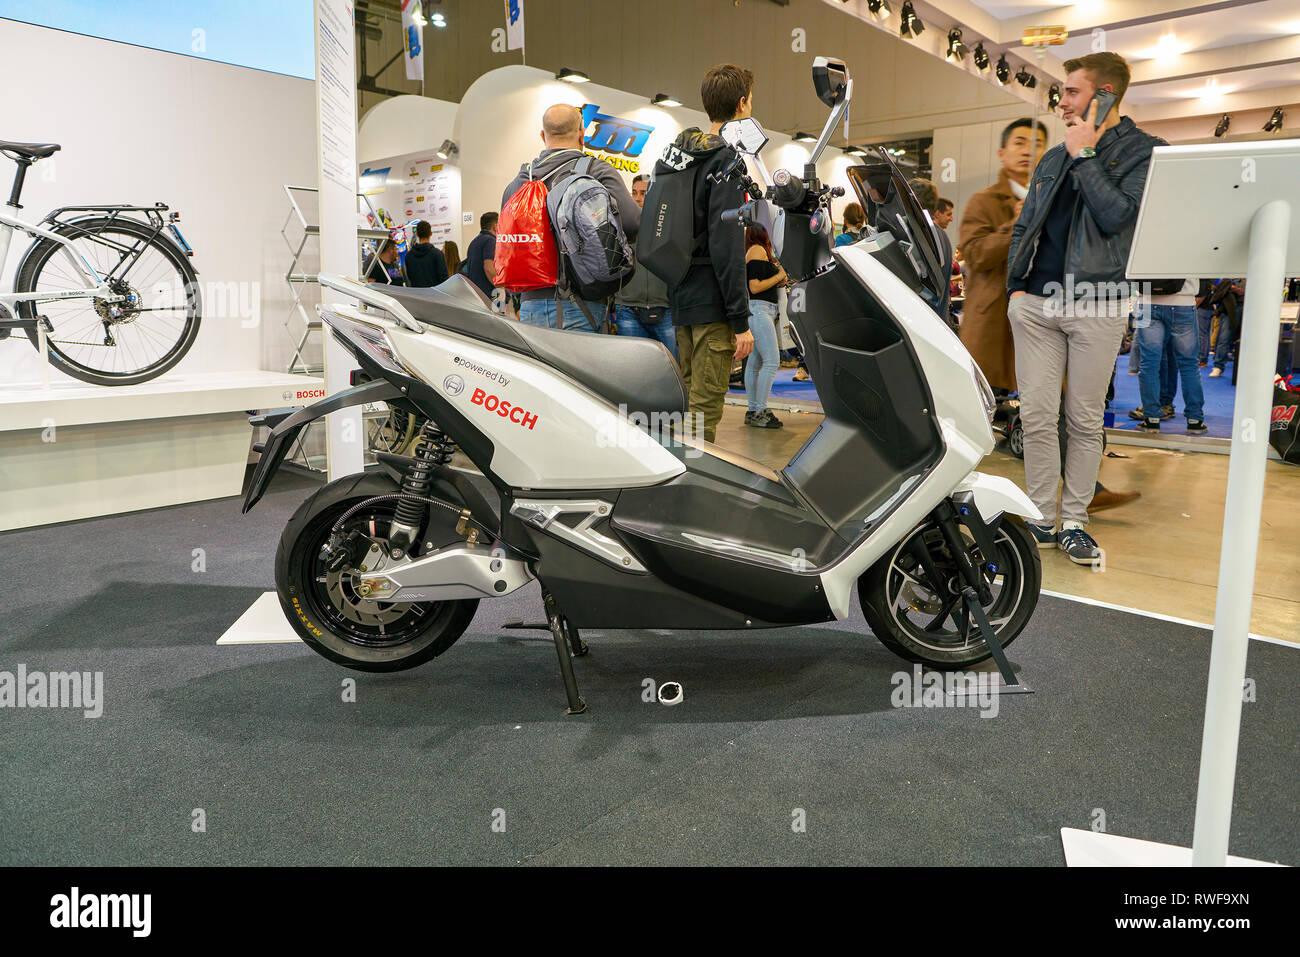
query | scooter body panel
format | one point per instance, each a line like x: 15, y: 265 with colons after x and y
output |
x: 546, y: 430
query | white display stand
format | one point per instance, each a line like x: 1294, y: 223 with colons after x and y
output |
x: 336, y: 141
x: 76, y: 450
x: 1223, y: 209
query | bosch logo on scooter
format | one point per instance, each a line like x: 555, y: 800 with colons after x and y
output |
x: 454, y: 384
x: 501, y: 407
x: 311, y: 394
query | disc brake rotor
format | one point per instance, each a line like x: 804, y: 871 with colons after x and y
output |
x: 341, y: 588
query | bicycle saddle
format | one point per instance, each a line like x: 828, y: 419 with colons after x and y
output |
x: 32, y: 151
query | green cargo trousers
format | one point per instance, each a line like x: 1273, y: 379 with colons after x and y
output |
x: 706, y: 353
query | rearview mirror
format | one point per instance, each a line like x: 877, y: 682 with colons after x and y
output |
x: 830, y: 79
x: 744, y: 136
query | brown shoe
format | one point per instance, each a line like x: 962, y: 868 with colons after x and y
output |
x: 1107, y: 498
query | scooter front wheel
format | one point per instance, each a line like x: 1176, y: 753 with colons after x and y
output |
x: 322, y: 604
x: 926, y: 621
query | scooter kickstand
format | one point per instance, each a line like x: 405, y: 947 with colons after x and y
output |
x: 560, y: 630
x: 1010, y: 682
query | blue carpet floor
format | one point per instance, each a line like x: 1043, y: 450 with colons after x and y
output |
x: 1219, y: 395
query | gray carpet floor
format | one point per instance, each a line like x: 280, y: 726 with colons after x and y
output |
x: 423, y: 765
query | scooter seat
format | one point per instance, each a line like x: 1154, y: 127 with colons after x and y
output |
x: 639, y: 374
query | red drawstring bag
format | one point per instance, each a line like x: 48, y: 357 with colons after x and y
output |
x: 526, y: 255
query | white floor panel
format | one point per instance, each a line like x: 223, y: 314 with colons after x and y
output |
x: 263, y: 624
x: 1093, y: 849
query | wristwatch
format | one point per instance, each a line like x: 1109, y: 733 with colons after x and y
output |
x: 1087, y: 152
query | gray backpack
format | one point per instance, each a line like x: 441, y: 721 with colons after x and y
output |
x: 595, y: 258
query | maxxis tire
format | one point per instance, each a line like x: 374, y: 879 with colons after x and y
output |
x: 39, y: 255
x: 875, y: 608
x: 293, y: 565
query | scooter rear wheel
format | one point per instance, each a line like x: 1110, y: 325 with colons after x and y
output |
x: 921, y: 624
x: 323, y: 606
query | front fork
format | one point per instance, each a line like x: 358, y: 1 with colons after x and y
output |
x: 945, y: 515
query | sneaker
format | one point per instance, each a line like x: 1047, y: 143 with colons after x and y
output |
x: 763, y: 420
x: 1044, y: 535
x: 1150, y: 425
x: 1137, y: 414
x: 1197, y: 426
x: 775, y: 423
x: 1215, y: 372
x: 1201, y: 365
x: 1079, y: 545
x: 801, y: 376
x: 1167, y: 411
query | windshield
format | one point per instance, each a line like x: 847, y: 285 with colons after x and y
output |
x: 892, y: 207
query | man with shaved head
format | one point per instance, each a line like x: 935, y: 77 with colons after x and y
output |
x: 562, y: 136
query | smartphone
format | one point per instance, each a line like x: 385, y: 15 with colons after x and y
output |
x: 1105, y: 100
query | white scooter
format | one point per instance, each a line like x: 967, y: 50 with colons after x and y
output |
x: 624, y: 518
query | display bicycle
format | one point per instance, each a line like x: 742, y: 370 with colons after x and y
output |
x: 111, y: 289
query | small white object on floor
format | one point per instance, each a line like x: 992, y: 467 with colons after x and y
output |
x: 1094, y: 849
x: 264, y: 623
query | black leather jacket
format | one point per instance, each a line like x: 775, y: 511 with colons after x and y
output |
x: 1101, y: 230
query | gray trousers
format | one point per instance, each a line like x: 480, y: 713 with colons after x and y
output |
x: 1077, y: 349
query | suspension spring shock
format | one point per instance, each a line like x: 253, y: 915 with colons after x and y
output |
x: 433, y: 448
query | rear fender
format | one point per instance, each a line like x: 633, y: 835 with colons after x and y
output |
x: 287, y: 423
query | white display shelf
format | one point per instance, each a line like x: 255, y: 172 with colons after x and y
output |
x: 70, y: 402
x: 74, y: 451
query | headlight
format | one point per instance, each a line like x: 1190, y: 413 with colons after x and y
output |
x: 986, y: 391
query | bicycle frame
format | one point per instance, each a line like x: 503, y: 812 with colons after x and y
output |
x: 96, y: 286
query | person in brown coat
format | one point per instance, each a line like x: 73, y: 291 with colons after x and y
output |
x: 984, y: 238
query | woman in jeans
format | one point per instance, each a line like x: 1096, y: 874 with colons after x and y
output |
x: 765, y: 277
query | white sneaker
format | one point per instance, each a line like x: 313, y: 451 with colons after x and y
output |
x: 1216, y: 372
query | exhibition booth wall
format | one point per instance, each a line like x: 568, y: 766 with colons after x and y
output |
x: 215, y: 142
x: 496, y: 127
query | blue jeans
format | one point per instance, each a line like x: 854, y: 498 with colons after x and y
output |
x: 760, y: 371
x: 1204, y: 323
x: 642, y: 323
x: 1176, y: 323
x: 541, y: 312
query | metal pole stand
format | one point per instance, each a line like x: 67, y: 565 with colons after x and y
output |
x: 1011, y: 684
x: 565, y: 636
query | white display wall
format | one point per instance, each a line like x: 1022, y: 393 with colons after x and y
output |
x: 139, y: 126
x: 500, y: 117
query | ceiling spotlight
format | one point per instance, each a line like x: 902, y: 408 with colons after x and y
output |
x: 1224, y: 122
x: 1053, y: 96
x: 1026, y: 79
x: 663, y: 99
x: 448, y: 149
x: 1275, y: 121
x: 1002, y: 71
x: 981, y: 56
x: 878, y: 9
x: 854, y: 150
x: 956, y: 49
x: 572, y: 76
x: 802, y: 137
x: 910, y: 24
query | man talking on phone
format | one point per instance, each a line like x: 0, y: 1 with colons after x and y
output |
x: 1068, y: 299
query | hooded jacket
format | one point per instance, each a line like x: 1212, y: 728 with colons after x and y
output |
x: 425, y: 265
x: 548, y: 161
x: 1105, y: 212
x: 714, y: 288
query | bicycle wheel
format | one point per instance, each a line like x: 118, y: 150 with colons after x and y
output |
x: 113, y: 343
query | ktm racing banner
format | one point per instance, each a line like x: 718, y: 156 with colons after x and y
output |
x: 514, y: 24
x: 412, y: 22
